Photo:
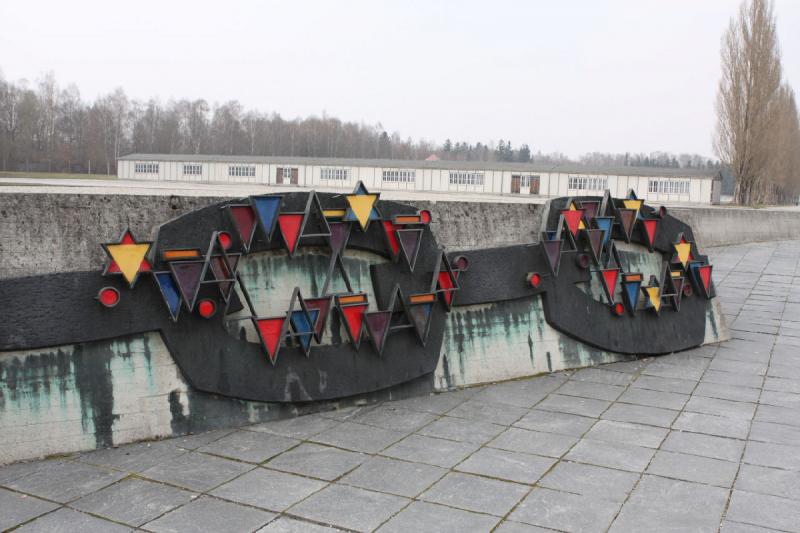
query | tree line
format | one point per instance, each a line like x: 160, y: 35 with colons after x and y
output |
x: 48, y: 128
x: 758, y: 131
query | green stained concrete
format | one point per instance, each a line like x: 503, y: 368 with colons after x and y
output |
x: 506, y: 340
x: 270, y: 278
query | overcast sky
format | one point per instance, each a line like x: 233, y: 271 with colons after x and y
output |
x: 576, y: 76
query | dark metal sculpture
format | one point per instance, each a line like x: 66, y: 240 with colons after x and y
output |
x: 314, y: 349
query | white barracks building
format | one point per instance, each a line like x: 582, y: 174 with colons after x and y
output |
x: 662, y: 185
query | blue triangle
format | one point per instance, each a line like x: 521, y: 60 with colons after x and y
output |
x: 169, y: 290
x: 373, y: 215
x: 267, y: 208
x: 631, y: 292
x: 301, y: 325
x: 605, y: 225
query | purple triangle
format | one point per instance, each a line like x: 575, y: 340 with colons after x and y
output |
x: 595, y: 242
x: 187, y: 276
x: 377, y: 327
x: 409, y: 242
x: 552, y: 250
x: 339, y: 233
x: 627, y: 217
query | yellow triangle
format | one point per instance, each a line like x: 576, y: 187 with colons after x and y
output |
x: 128, y: 258
x: 633, y: 204
x: 683, y: 249
x: 654, y: 294
x: 362, y: 204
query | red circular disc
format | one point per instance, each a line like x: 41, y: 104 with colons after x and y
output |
x: 536, y: 279
x: 618, y: 309
x: 687, y: 290
x: 206, y: 308
x: 108, y: 296
x: 425, y: 215
x: 461, y: 263
x: 225, y: 239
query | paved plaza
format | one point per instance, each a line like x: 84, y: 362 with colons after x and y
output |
x: 704, y: 440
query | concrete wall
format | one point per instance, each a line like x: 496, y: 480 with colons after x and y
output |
x: 69, y: 398
x: 730, y: 225
x: 47, y: 233
x: 44, y: 233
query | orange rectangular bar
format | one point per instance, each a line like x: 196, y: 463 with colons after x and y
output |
x: 633, y: 278
x: 422, y: 298
x: 408, y: 219
x: 676, y: 273
x: 357, y: 299
x: 171, y: 255
x: 333, y: 213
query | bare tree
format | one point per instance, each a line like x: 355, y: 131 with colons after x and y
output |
x: 746, y: 98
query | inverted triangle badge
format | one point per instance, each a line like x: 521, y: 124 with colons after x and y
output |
x: 245, y: 221
x: 627, y: 218
x: 573, y: 219
x: 631, y: 284
x: 650, y: 225
x: 267, y: 209
x: 552, y: 252
x: 609, y: 278
x: 322, y: 306
x: 595, y: 238
x: 377, y: 324
x: 290, y: 225
x: 270, y: 331
x: 409, y: 240
x: 187, y: 275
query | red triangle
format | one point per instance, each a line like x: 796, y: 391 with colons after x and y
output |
x: 270, y: 329
x: 389, y: 229
x: 650, y: 225
x: 354, y: 317
x: 245, y: 220
x: 573, y: 219
x: 145, y: 266
x: 446, y: 284
x: 705, y: 276
x: 127, y: 238
x: 113, y: 268
x: 290, y: 229
x: 610, y: 276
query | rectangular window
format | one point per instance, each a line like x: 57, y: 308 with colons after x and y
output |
x: 192, y: 169
x: 466, y: 178
x: 146, y: 168
x: 287, y: 173
x: 246, y: 171
x: 583, y: 183
x: 399, y: 176
x: 337, y: 174
x: 669, y: 186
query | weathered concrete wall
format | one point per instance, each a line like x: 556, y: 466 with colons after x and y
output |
x: 71, y: 398
x: 97, y: 394
x: 46, y: 233
x: 730, y: 225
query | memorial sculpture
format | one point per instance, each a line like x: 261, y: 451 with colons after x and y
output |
x: 309, y: 296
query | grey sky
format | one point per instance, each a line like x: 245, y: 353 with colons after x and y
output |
x: 575, y: 76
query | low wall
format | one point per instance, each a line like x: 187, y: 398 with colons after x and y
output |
x: 731, y: 225
x: 69, y: 398
x: 48, y: 233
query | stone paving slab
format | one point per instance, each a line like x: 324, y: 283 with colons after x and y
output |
x: 704, y: 440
